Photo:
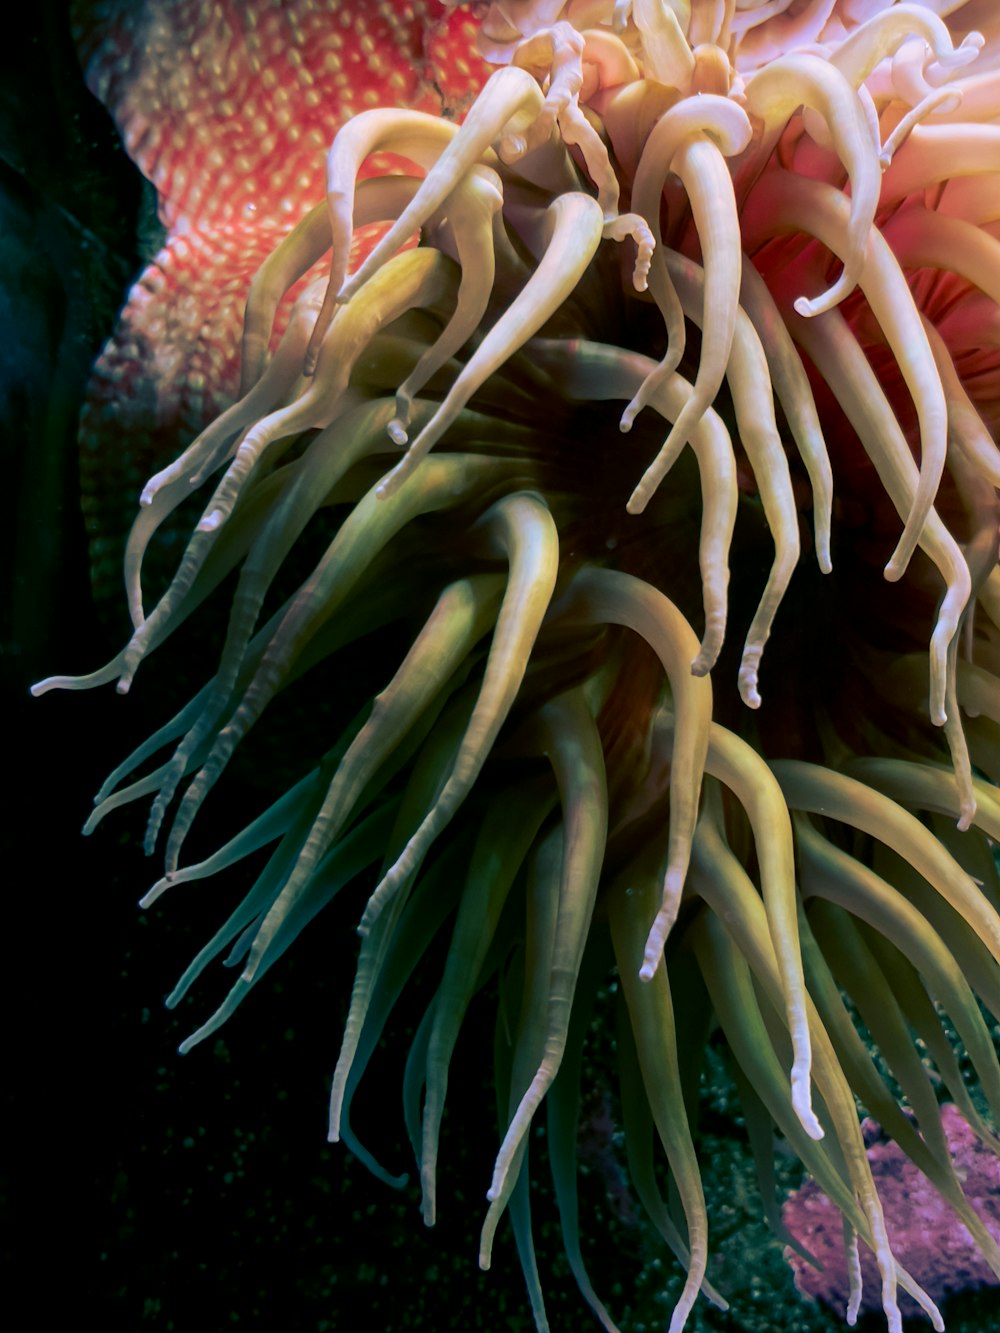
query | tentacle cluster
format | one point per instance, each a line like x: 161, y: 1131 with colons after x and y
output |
x: 773, y: 228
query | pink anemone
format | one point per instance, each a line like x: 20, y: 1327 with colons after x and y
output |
x: 660, y: 417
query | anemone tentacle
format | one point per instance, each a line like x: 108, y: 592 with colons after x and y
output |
x: 574, y: 766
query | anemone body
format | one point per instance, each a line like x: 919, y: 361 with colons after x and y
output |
x: 680, y: 347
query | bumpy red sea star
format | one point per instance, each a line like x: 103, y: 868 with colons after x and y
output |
x: 228, y: 107
x: 926, y: 1233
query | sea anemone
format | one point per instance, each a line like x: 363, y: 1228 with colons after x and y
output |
x: 764, y: 231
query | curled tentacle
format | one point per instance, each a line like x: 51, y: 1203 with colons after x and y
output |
x: 773, y: 94
x: 560, y: 50
x: 510, y: 97
x: 693, y: 139
x: 701, y: 167
x: 414, y: 134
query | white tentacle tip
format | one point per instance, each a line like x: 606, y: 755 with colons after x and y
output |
x: 896, y: 565
x: 653, y: 953
x: 211, y: 521
x: 969, y: 47
x: 310, y: 359
x: 151, y: 895
x: 802, y: 1106
x: 629, y: 415
x: 708, y: 653
x: 389, y: 484
x: 638, y: 500
x: 747, y: 685
x: 512, y: 148
x: 396, y: 432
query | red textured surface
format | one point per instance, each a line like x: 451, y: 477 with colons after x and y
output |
x: 926, y: 1235
x: 228, y: 107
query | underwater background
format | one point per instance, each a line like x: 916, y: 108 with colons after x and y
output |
x: 166, y: 1193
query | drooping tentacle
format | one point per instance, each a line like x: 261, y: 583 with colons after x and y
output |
x: 773, y: 93
x: 328, y: 458
x: 504, y: 839
x: 652, y: 1021
x: 789, y: 201
x: 463, y: 613
x: 811, y: 788
x: 596, y: 371
x: 693, y: 141
x: 373, y: 981
x: 418, y: 277
x: 831, y: 343
x: 412, y: 134
x: 370, y: 527
x: 520, y: 528
x: 609, y: 597
x: 470, y: 210
x: 575, y: 229
x: 510, y: 97
x: 733, y: 762
x: 577, y: 759
x: 747, y: 373
x: 793, y: 392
